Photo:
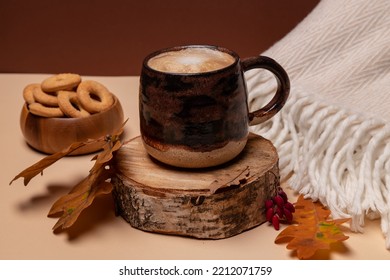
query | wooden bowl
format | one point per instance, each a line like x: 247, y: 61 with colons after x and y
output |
x: 51, y: 135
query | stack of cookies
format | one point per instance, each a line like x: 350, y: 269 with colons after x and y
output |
x: 66, y: 95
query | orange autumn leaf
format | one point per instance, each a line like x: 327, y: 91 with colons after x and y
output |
x: 312, y: 230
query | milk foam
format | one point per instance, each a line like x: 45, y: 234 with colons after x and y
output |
x: 191, y: 60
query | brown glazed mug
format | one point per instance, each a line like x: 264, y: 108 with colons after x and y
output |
x: 193, y: 104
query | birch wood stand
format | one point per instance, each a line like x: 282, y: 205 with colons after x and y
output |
x: 210, y: 203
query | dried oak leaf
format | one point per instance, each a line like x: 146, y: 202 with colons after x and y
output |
x: 38, y: 167
x: 312, y: 229
x: 237, y: 177
x: 95, y: 184
x: 83, y: 194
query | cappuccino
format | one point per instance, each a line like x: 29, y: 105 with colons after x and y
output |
x: 191, y: 60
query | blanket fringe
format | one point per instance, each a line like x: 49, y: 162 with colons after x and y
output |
x: 336, y: 156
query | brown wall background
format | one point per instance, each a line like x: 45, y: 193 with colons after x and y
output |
x: 104, y: 37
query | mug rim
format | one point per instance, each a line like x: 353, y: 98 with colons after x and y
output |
x: 181, y: 47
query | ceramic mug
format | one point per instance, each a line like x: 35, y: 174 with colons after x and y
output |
x: 193, y: 104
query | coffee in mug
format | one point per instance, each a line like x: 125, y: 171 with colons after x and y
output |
x: 193, y: 104
x: 191, y: 60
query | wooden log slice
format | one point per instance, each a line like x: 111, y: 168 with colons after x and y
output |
x: 209, y: 203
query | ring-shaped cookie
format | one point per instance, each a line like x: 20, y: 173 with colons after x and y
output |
x: 94, y: 97
x: 45, y: 111
x: 64, y: 81
x: 70, y: 105
x: 48, y: 99
x: 28, y: 93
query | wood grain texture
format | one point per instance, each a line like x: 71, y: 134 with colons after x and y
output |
x: 51, y: 135
x: 210, y: 203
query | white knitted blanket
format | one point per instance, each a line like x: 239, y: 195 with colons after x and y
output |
x: 333, y: 135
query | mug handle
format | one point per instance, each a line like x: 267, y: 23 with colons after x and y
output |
x: 282, y: 92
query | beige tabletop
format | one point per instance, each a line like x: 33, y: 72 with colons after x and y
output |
x: 25, y: 230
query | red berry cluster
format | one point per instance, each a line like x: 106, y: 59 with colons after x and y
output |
x: 279, y: 209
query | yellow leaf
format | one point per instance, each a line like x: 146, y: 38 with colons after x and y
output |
x: 312, y: 230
